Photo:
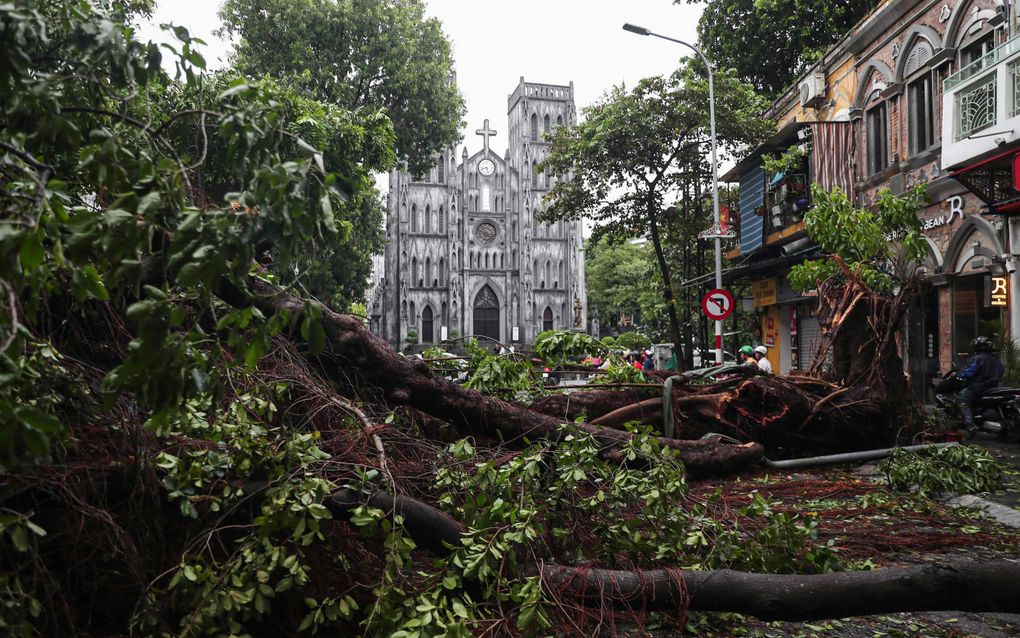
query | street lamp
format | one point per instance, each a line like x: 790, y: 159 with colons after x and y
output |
x: 717, y: 230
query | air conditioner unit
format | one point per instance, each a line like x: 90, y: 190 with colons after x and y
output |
x: 812, y: 90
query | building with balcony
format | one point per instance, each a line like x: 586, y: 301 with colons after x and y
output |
x: 919, y: 92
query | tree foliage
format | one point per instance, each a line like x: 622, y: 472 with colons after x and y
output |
x: 128, y: 193
x: 634, y: 151
x: 610, y: 271
x: 869, y: 242
x: 770, y: 43
x: 357, y: 54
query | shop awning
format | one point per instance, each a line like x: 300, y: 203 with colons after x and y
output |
x: 994, y: 181
x: 744, y: 270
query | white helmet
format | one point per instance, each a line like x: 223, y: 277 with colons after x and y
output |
x: 762, y: 350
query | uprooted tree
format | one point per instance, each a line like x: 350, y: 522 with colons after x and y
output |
x: 189, y: 447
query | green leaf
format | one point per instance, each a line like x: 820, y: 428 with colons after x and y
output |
x: 31, y: 254
x: 38, y: 420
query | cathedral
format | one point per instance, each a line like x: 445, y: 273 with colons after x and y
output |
x: 464, y: 255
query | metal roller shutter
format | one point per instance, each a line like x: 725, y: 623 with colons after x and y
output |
x: 809, y: 333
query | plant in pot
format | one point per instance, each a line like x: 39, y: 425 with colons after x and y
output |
x: 412, y: 337
x: 784, y: 168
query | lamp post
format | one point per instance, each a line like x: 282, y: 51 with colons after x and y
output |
x: 717, y: 230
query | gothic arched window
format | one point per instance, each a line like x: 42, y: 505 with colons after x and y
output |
x: 427, y: 328
x: 545, y: 125
x: 414, y: 270
x: 486, y: 198
x: 442, y: 171
x: 428, y: 272
x: 534, y: 127
x: 441, y: 221
x: 559, y: 121
x: 534, y: 175
x: 427, y: 226
x: 414, y: 218
x: 442, y: 271
x: 547, y: 319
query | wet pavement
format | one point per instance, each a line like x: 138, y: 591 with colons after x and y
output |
x: 951, y: 624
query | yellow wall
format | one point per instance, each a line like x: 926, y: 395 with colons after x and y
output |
x: 841, y: 84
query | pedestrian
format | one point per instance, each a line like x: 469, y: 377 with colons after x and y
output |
x: 761, y: 355
x: 649, y: 361
x: 636, y: 361
x: 747, y: 356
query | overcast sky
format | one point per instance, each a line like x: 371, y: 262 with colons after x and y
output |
x: 495, y: 43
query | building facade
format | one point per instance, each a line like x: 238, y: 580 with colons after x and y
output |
x: 465, y: 255
x: 919, y: 92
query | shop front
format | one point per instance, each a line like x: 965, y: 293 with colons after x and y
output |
x: 975, y: 299
x: 786, y: 324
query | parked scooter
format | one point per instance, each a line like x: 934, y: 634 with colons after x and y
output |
x: 997, y: 412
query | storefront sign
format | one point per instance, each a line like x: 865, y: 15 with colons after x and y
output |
x: 1000, y: 294
x: 770, y: 332
x: 955, y: 204
x: 764, y: 291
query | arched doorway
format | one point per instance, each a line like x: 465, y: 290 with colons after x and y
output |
x: 486, y: 314
x: 547, y: 319
x: 427, y: 328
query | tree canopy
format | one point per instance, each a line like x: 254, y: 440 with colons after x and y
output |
x: 881, y: 246
x: 637, y: 152
x: 770, y: 43
x: 610, y: 272
x: 355, y: 54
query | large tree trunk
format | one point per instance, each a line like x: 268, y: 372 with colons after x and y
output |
x: 954, y: 586
x: 352, y: 349
x: 590, y: 403
x: 958, y: 586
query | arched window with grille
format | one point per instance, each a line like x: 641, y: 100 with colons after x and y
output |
x: 414, y: 218
x: 428, y: 272
x: 547, y: 319
x: 427, y: 226
x: 427, y: 326
x: 414, y: 271
x: 534, y: 127
x: 442, y: 272
x: 441, y: 221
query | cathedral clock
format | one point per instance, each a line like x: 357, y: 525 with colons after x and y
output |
x: 486, y: 167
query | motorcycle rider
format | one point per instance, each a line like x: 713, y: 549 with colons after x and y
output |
x: 983, y: 372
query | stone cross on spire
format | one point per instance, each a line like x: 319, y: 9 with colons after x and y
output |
x: 485, y: 132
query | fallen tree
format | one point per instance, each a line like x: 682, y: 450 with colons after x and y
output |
x: 185, y: 434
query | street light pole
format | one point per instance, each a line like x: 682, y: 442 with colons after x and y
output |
x: 717, y: 230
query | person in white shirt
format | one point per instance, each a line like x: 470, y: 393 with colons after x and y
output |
x: 761, y: 355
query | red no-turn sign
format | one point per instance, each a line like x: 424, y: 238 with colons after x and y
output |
x: 717, y: 304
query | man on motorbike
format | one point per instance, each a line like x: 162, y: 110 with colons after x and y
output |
x: 983, y: 372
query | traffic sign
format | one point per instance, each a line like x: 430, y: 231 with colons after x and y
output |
x: 717, y: 304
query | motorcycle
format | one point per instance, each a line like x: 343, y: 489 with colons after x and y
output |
x: 997, y: 411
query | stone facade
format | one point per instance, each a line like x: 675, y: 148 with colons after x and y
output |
x: 464, y: 254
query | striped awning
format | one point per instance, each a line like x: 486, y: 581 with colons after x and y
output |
x: 832, y: 156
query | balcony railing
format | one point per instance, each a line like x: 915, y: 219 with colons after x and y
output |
x: 990, y: 59
x: 975, y: 107
x: 981, y: 106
